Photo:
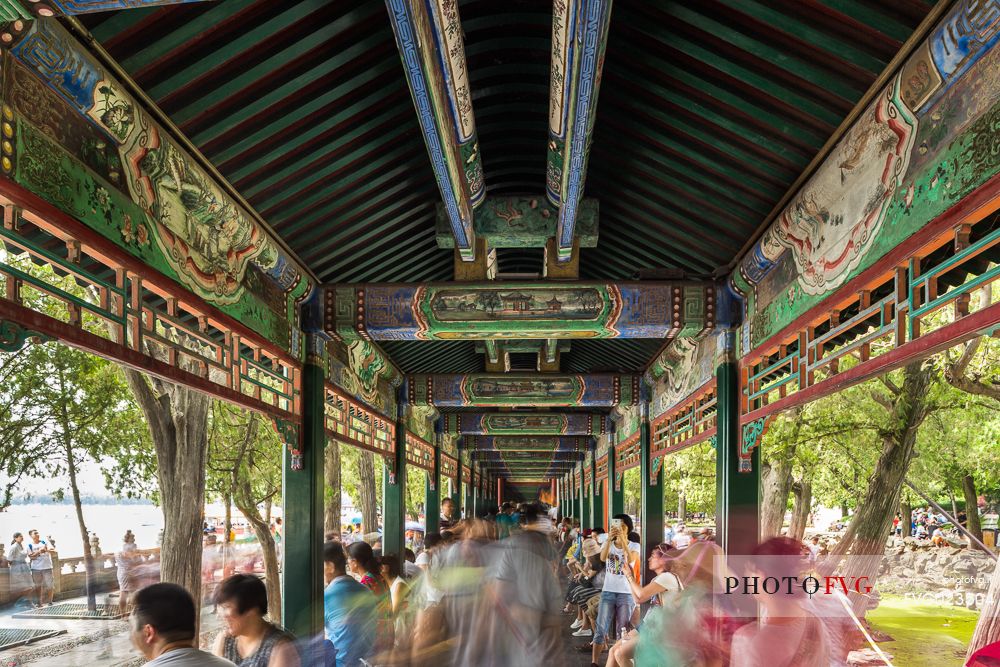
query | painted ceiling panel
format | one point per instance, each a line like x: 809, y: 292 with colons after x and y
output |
x: 708, y: 112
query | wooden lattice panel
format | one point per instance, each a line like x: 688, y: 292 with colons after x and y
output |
x: 449, y: 466
x: 688, y: 423
x: 353, y: 423
x: 419, y: 452
x: 602, y: 468
x: 122, y: 310
x: 627, y: 453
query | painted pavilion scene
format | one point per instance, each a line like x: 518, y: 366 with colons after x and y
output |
x: 488, y: 333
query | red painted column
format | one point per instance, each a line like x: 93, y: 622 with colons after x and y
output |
x: 500, y: 491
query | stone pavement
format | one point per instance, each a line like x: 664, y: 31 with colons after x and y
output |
x: 86, y: 642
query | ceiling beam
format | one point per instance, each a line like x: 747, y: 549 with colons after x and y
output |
x: 579, y: 37
x: 23, y: 9
x: 519, y: 221
x: 534, y: 310
x: 429, y: 38
x: 524, y: 423
x: 523, y: 389
x: 532, y: 443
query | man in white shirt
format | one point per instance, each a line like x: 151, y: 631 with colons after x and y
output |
x: 616, y: 604
x: 163, y: 628
x: 40, y: 560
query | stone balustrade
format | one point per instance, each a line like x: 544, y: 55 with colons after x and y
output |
x: 69, y: 575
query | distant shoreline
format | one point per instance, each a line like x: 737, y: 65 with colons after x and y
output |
x: 85, y: 501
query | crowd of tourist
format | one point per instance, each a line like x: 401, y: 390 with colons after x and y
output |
x: 507, y: 589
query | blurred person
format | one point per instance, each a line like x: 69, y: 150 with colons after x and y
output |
x: 662, y: 592
x: 21, y: 584
x: 697, y: 631
x: 125, y: 562
x: 682, y: 538
x: 447, y: 518
x: 362, y: 563
x: 40, y: 562
x: 349, y: 610
x: 423, y: 559
x: 616, y: 606
x: 528, y: 596
x: 398, y: 588
x: 410, y: 569
x: 786, y: 635
x: 163, y: 626
x: 247, y: 638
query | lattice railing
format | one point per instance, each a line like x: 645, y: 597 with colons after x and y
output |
x: 449, y: 466
x: 97, y: 298
x: 936, y: 296
x: 419, y: 452
x: 686, y: 424
x: 355, y: 424
x: 627, y: 453
x: 601, y: 466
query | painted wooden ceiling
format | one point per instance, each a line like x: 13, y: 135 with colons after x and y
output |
x: 708, y: 112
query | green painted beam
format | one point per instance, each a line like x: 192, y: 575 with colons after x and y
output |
x: 808, y: 71
x: 266, y: 101
x: 522, y: 222
x: 189, y: 70
x: 540, y: 309
x: 12, y: 10
x: 872, y: 15
x: 826, y: 41
x: 739, y: 70
x: 183, y: 34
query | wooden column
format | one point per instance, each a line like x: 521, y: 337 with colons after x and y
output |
x: 302, y: 576
x: 432, y: 491
x: 600, y: 502
x: 394, y: 486
x: 651, y: 533
x: 737, y: 493
x: 616, y: 498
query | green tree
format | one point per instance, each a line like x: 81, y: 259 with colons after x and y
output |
x: 87, y: 414
x: 22, y: 447
x: 244, y: 468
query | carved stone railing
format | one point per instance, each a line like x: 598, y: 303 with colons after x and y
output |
x: 69, y: 575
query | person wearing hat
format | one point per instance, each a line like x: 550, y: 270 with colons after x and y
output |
x: 588, y: 585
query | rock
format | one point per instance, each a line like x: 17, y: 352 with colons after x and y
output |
x: 866, y: 658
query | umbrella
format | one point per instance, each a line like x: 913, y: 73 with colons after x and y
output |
x: 356, y: 520
x: 413, y: 525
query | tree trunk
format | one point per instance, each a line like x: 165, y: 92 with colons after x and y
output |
x: 331, y: 474
x: 954, y: 503
x: 682, y: 506
x: 227, y: 538
x: 988, y: 627
x: 905, y: 519
x: 868, y: 531
x: 800, y: 512
x: 178, y: 424
x: 88, y: 555
x: 261, y: 528
x: 776, y: 482
x: 369, y: 507
x: 972, y: 510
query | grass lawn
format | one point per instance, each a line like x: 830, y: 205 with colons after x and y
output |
x: 925, y: 634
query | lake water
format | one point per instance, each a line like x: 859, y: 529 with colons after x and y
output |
x: 109, y: 522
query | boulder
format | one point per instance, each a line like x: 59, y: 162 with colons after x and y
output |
x: 866, y: 658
